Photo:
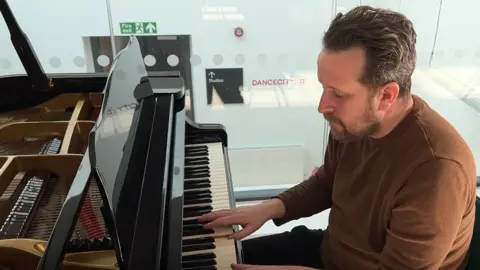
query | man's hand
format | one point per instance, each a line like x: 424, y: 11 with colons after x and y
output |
x: 251, y: 218
x: 268, y: 267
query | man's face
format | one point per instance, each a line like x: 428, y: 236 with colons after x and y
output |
x: 351, y: 109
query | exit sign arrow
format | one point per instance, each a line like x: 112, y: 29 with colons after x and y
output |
x: 151, y: 28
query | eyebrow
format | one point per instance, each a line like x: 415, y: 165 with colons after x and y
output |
x: 335, y: 88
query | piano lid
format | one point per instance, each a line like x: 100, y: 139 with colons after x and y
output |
x: 23, y: 47
x: 23, y: 91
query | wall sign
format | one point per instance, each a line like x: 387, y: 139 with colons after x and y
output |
x: 138, y: 27
x: 224, y: 86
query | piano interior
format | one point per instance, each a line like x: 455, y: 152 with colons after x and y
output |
x: 40, y: 152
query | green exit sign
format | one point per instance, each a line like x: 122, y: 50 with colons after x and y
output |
x: 138, y: 27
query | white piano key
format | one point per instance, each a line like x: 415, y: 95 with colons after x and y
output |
x: 219, y: 187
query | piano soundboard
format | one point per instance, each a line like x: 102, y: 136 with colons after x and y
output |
x: 39, y: 157
x: 34, y: 185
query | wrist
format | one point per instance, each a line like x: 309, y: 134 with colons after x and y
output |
x: 276, y: 208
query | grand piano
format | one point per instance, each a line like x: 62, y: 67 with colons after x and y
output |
x: 105, y: 171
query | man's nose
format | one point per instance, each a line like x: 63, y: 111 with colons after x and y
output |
x: 325, y: 106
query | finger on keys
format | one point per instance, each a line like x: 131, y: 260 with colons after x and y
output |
x: 239, y: 235
x: 221, y: 222
x: 226, y: 220
x: 214, y: 215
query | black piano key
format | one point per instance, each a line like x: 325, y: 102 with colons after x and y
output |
x: 192, y: 226
x: 197, y: 186
x: 197, y: 168
x: 197, y: 201
x: 196, y: 153
x: 191, y: 222
x: 199, y: 256
x: 195, y: 193
x: 197, y: 247
x: 197, y: 232
x: 196, y: 213
x: 204, y: 168
x: 197, y: 209
x: 199, y: 263
x: 199, y: 196
x: 189, y: 150
x: 196, y: 173
x: 195, y: 148
x: 192, y: 194
x: 196, y: 182
x: 196, y: 179
x: 188, y: 176
x: 197, y: 161
x: 193, y: 241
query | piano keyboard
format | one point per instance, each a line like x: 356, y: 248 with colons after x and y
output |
x: 205, y: 190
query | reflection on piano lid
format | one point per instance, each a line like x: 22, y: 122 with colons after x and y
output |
x: 108, y: 136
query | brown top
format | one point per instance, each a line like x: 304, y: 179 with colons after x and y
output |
x: 405, y: 201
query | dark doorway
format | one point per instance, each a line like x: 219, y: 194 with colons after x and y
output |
x: 161, y: 53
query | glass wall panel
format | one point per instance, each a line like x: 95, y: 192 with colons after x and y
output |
x: 57, y: 31
x: 251, y: 66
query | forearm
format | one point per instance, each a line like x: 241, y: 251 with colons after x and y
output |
x: 276, y: 208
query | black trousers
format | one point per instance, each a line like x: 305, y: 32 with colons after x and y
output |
x: 300, y: 247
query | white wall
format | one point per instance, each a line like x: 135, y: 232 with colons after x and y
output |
x: 287, y: 35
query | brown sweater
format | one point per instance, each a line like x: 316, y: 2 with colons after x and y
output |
x: 405, y: 201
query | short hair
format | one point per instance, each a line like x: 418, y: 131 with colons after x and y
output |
x: 388, y: 38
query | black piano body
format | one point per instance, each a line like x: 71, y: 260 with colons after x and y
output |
x: 151, y: 169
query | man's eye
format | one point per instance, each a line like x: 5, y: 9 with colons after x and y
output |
x: 338, y: 95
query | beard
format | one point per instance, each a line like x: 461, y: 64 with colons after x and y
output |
x: 365, y: 126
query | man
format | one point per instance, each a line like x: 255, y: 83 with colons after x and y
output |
x: 399, y: 179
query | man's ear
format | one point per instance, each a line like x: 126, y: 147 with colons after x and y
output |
x: 388, y: 95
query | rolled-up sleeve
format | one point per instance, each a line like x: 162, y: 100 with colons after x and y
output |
x: 426, y: 216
